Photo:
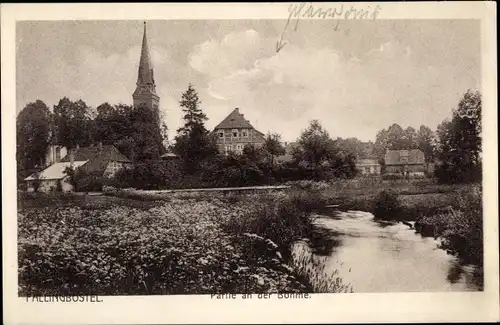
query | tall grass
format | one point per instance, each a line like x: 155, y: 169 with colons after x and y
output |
x: 313, y: 268
x: 282, y: 218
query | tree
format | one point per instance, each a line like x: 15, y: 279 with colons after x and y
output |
x: 314, y: 145
x: 145, y: 137
x: 112, y: 123
x: 410, y: 139
x: 396, y: 137
x: 164, y: 134
x: 73, y: 123
x: 273, y: 146
x: 425, y: 142
x: 33, y: 130
x: 353, y: 146
x: 193, y: 142
x: 460, y: 142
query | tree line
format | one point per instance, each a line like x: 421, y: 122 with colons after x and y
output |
x: 139, y: 134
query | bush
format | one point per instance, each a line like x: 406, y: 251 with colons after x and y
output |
x: 282, y: 219
x: 460, y: 226
x: 388, y: 205
x: 148, y: 175
x: 178, y: 247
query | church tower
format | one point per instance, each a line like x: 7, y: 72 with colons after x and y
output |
x: 145, y: 92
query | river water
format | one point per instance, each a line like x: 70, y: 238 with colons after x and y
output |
x: 391, y: 257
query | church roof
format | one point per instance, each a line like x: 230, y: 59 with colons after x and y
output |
x: 235, y: 120
x: 145, y: 75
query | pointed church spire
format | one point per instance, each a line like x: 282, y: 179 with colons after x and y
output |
x: 145, y: 76
x: 145, y: 92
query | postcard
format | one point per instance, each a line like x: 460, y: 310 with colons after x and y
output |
x: 249, y: 163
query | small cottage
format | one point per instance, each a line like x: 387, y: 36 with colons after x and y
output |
x: 94, y: 159
x: 405, y: 162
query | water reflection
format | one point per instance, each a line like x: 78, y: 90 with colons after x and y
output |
x: 382, y: 256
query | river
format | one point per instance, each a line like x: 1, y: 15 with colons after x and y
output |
x: 390, y: 257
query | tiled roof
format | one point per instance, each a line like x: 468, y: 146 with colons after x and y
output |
x: 396, y: 157
x: 234, y: 120
x: 98, y: 157
x: 56, y: 171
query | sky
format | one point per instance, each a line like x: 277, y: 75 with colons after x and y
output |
x: 356, y: 79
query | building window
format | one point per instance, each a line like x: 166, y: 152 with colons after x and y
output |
x: 235, y: 133
x: 228, y: 148
x: 221, y: 134
x: 58, y: 154
x: 245, y: 133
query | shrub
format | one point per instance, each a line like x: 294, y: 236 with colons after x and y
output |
x: 460, y: 226
x: 149, y: 175
x: 179, y: 247
x: 388, y: 205
x: 282, y: 219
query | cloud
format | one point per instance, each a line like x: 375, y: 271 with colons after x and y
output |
x: 351, y: 96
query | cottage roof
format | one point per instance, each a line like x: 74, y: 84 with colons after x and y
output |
x: 235, y: 120
x: 98, y: 157
x: 394, y: 157
x: 56, y: 171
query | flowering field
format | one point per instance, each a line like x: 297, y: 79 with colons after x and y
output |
x: 175, y: 247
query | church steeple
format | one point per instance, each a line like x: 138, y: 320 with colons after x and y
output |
x: 145, y: 92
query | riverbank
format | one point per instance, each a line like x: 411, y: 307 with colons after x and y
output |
x: 452, y: 213
x: 192, y: 245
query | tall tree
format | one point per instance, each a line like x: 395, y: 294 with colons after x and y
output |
x: 145, y: 138
x: 410, y: 138
x: 193, y: 142
x: 460, y: 142
x: 73, y: 123
x: 314, y: 145
x: 353, y: 146
x: 273, y: 146
x: 425, y: 142
x: 33, y: 130
x: 395, y: 137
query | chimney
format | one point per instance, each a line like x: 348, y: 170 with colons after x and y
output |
x: 237, y: 109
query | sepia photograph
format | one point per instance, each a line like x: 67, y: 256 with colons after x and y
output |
x: 326, y: 152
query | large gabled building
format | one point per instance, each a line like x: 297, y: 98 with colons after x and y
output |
x: 235, y: 132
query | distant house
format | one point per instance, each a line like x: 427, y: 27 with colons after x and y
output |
x: 234, y: 132
x: 405, y: 162
x: 368, y: 166
x: 95, y: 159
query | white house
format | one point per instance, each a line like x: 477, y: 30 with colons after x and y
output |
x: 104, y: 160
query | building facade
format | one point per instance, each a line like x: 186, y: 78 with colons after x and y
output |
x: 368, y: 167
x: 103, y: 160
x: 145, y: 91
x: 235, y: 132
x: 405, y: 162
